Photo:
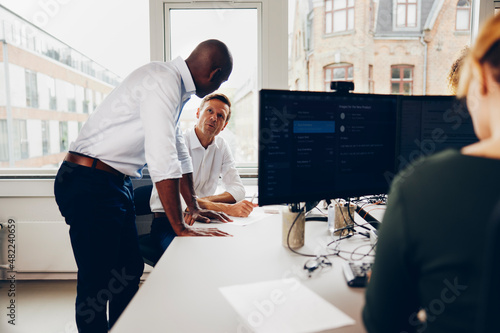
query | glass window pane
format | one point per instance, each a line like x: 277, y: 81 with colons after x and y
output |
x: 395, y: 88
x: 401, y: 16
x: 350, y: 73
x: 395, y: 73
x: 328, y: 5
x: 4, y: 141
x: 462, y: 19
x: 339, y: 21
x: 412, y: 15
x: 407, y: 73
x: 328, y: 23
x: 407, y: 88
x: 339, y: 4
x: 350, y: 3
x: 339, y: 73
x: 238, y: 28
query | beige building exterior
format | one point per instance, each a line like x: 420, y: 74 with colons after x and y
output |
x: 384, y: 46
x: 47, y: 91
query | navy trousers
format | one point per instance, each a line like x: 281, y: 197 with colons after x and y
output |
x: 162, y: 233
x: 99, y: 208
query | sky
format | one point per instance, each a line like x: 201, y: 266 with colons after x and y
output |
x: 114, y: 33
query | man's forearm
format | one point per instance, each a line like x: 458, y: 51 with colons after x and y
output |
x: 168, y: 191
x: 187, y: 191
x: 217, y: 206
x: 225, y: 197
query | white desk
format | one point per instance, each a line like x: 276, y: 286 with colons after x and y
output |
x: 181, y: 294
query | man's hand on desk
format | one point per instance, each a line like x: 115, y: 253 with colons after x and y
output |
x: 242, y: 208
x: 205, y: 216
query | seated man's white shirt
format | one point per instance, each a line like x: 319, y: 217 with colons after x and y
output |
x: 208, y: 165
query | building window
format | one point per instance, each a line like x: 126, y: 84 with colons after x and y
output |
x: 371, y: 84
x: 340, y: 72
x: 20, y: 136
x: 31, y: 89
x: 339, y: 15
x: 52, y: 94
x: 45, y: 137
x: 402, y: 80
x: 406, y: 13
x: 4, y: 141
x: 63, y: 136
x: 462, y: 21
x: 71, y: 95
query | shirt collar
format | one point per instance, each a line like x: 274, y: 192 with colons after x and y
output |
x: 195, y: 142
x: 186, y: 76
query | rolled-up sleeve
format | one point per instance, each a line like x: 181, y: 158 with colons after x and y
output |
x: 183, y: 152
x: 230, y: 178
x: 158, y: 107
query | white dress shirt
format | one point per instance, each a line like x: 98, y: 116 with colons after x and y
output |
x: 208, y: 165
x: 138, y: 123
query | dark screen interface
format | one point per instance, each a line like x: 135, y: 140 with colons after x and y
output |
x: 315, y: 146
x: 430, y: 124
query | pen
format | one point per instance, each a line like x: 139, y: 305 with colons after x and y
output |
x: 253, y: 197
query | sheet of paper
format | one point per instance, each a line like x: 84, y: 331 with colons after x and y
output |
x: 256, y: 215
x: 283, y: 306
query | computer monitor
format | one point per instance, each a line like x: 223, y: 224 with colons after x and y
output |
x: 323, y: 145
x: 430, y: 124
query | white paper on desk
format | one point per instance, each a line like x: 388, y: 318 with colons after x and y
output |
x: 284, y: 305
x: 256, y: 215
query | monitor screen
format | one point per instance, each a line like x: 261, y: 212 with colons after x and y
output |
x: 320, y: 145
x: 430, y: 124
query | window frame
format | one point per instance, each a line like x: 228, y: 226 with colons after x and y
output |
x: 332, y: 12
x: 418, y: 10
x: 401, y: 79
x: 331, y: 68
x: 463, y: 9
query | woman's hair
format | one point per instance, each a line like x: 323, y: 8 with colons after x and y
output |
x: 454, y: 73
x: 486, y: 50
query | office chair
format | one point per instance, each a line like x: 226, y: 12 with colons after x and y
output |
x: 489, y: 302
x: 150, y: 252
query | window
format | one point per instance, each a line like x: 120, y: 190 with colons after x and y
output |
x: 45, y: 137
x: 52, y: 94
x: 462, y: 22
x: 71, y: 97
x: 406, y: 13
x: 402, y: 80
x: 20, y: 139
x: 63, y: 136
x: 242, y: 86
x: 31, y: 89
x: 4, y: 141
x: 339, y: 15
x: 340, y: 72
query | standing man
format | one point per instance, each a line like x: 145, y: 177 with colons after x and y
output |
x: 212, y: 159
x: 136, y: 124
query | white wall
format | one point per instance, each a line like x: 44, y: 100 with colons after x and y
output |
x: 62, y: 99
x: 17, y: 85
x: 72, y: 131
x: 79, y: 99
x: 3, y: 100
x: 34, y: 128
x: 43, y: 90
x: 54, y: 136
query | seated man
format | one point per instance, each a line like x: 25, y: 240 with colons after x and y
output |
x: 212, y: 159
